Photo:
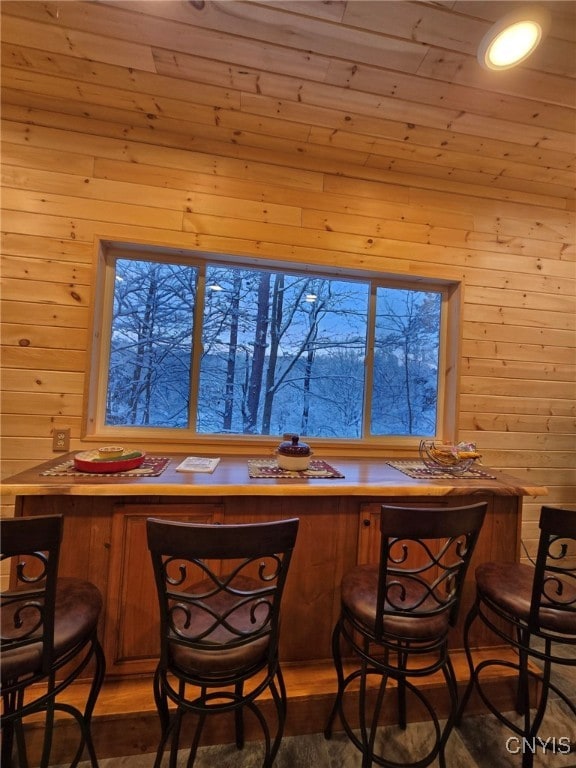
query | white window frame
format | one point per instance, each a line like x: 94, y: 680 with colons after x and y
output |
x: 94, y: 427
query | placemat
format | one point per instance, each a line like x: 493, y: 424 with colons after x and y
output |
x: 152, y: 466
x: 258, y: 468
x: 419, y: 471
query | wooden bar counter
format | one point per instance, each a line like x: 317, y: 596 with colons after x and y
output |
x: 105, y: 542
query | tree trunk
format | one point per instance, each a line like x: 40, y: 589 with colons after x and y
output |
x: 275, y: 335
x: 259, y: 356
x: 232, y: 350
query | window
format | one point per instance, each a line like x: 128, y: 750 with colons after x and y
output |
x: 208, y: 345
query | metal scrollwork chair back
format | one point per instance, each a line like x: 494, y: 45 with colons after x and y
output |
x: 219, y: 589
x: 533, y: 610
x: 395, y: 618
x: 48, y: 637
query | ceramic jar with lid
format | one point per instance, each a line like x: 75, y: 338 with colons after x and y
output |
x: 292, y: 454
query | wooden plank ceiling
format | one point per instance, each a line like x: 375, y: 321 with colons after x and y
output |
x: 371, y: 90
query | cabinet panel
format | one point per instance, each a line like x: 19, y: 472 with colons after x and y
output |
x: 369, y: 525
x: 314, y: 579
x: 323, y: 545
x: 105, y: 541
x: 85, y: 549
x: 132, y: 631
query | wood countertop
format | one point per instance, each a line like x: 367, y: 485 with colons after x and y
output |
x: 362, y: 477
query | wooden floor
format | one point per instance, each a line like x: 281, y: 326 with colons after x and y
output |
x: 126, y: 723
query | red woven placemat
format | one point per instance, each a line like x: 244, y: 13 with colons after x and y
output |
x: 152, y: 466
x: 419, y: 471
x: 258, y: 468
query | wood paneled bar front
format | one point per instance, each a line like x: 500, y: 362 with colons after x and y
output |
x: 105, y: 542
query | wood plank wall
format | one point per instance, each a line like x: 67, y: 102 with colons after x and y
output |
x: 70, y: 179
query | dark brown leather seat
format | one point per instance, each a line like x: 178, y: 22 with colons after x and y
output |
x: 509, y: 585
x: 359, y: 590
x: 219, y: 589
x: 401, y: 609
x: 49, y: 635
x: 219, y: 653
x: 532, y: 609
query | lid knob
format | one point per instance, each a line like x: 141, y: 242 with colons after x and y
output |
x: 293, y: 447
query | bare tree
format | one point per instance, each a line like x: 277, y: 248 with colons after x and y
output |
x: 232, y: 352
x: 252, y: 400
x: 149, y: 366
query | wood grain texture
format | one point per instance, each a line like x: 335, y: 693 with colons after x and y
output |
x: 359, y: 135
x: 104, y: 540
x: 125, y: 720
x: 362, y: 477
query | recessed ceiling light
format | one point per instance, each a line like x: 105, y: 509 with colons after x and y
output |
x: 512, y: 39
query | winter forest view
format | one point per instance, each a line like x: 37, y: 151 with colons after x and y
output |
x: 225, y: 349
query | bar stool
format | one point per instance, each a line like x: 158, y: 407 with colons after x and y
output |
x: 48, y: 637
x: 532, y: 609
x: 219, y: 589
x: 395, y: 618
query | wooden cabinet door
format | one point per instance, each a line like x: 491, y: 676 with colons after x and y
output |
x: 369, y: 526
x: 132, y: 627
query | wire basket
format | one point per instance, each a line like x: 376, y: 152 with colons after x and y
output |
x: 455, y: 459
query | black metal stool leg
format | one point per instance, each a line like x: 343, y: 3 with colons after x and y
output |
x: 365, y: 740
x: 472, y: 614
x: 7, y: 736
x: 48, y: 731
x: 368, y: 757
x: 19, y: 732
x: 336, y: 655
x: 195, y: 741
x: 451, y: 684
x: 522, y: 692
x: 85, y: 720
x: 280, y: 699
x: 239, y: 719
x: 402, y: 661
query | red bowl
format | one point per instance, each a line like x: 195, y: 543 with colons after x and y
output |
x: 85, y: 462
